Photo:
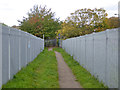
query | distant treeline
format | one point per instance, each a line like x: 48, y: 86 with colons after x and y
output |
x: 41, y: 21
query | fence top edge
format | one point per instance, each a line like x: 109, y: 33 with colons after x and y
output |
x: 17, y: 30
x: 98, y: 33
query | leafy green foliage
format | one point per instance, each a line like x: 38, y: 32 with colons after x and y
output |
x: 81, y: 74
x: 112, y: 22
x: 85, y: 21
x: 40, y: 73
x: 41, y: 21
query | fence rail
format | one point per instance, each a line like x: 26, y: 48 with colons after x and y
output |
x: 98, y: 53
x: 17, y: 49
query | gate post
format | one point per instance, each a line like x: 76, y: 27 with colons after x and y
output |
x: 59, y: 40
x: 43, y: 42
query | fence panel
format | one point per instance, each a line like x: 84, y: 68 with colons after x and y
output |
x: 80, y: 55
x: 23, y: 49
x: 112, y: 58
x: 17, y: 49
x: 1, y: 55
x: 5, y: 54
x: 72, y: 46
x: 98, y: 53
x: 28, y: 48
x: 83, y: 51
x: 89, y: 53
x: 77, y: 49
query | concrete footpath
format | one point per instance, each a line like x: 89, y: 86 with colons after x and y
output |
x: 66, y: 77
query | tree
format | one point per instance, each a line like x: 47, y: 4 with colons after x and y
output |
x: 40, y: 21
x: 113, y: 22
x: 84, y: 21
x: 68, y: 31
x: 88, y: 17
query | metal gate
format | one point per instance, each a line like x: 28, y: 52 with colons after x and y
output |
x: 50, y: 42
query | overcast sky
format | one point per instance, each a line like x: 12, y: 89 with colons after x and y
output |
x: 13, y: 10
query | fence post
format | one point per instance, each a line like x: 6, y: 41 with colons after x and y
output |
x: 26, y: 47
x: 9, y: 53
x: 85, y: 54
x: 19, y: 50
x: 119, y: 54
x: 106, y: 58
x: 93, y: 53
x: 119, y: 46
x: 0, y: 56
x: 43, y: 43
x: 80, y: 50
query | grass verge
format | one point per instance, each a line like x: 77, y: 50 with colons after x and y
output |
x: 40, y: 73
x: 82, y: 75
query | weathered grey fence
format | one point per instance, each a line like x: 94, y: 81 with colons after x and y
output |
x: 98, y: 53
x: 17, y: 49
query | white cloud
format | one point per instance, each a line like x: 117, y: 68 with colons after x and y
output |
x: 13, y: 10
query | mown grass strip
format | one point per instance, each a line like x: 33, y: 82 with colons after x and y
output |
x: 40, y: 73
x: 81, y: 74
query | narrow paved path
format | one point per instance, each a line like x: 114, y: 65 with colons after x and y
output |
x: 66, y: 78
x: 50, y: 48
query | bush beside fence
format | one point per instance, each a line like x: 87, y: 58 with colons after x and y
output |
x: 98, y: 53
x: 17, y: 49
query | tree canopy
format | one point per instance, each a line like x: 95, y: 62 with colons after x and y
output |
x: 113, y: 22
x: 41, y: 21
x: 85, y: 21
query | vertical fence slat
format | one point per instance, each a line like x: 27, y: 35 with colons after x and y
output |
x: 0, y: 55
x: 5, y: 54
x: 19, y: 50
x: 112, y: 59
